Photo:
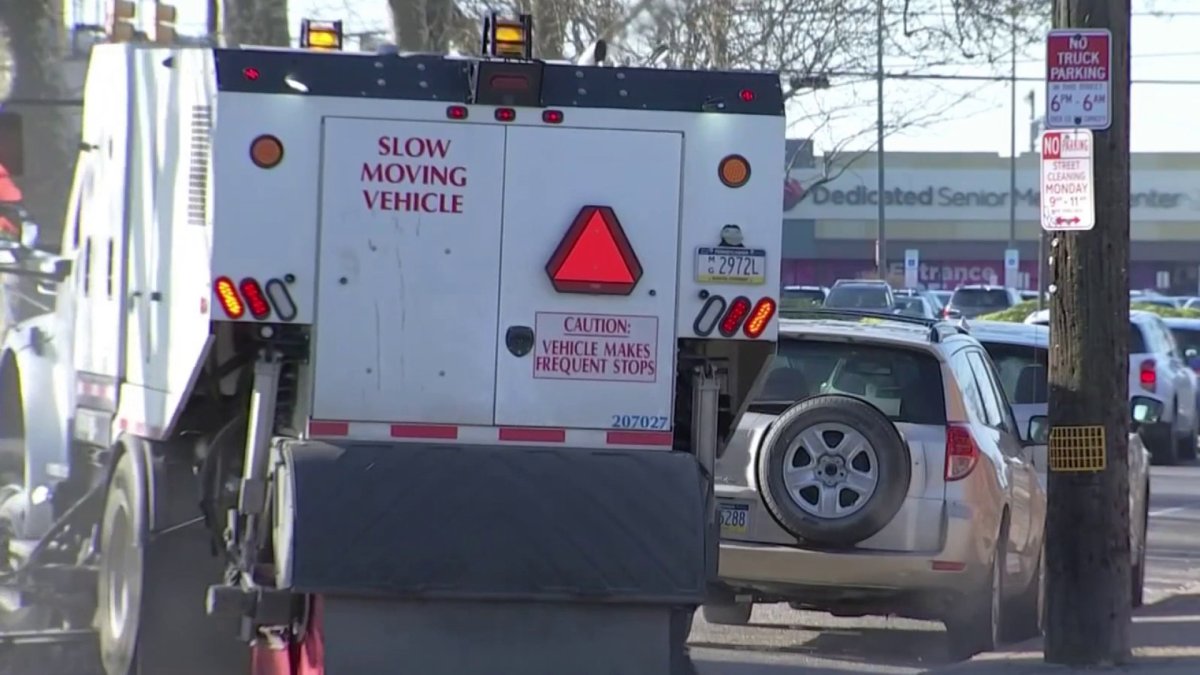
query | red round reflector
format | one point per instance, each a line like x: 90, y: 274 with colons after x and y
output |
x: 259, y: 308
x: 552, y: 116
x: 505, y: 114
x: 739, y: 309
x: 457, y: 112
x: 746, y: 95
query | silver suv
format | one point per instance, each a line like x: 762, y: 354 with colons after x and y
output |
x: 880, y: 471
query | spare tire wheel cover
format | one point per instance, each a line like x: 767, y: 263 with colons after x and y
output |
x: 834, y: 470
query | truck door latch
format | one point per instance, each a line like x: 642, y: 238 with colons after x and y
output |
x: 519, y: 340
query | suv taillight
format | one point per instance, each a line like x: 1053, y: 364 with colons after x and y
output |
x: 1148, y: 375
x: 962, y: 454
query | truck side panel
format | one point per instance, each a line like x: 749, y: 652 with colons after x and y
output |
x: 97, y: 224
x: 169, y: 236
x: 599, y: 361
x: 408, y: 263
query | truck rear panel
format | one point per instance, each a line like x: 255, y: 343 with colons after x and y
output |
x: 480, y: 268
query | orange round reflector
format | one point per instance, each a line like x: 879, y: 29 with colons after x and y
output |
x: 266, y: 152
x: 734, y: 171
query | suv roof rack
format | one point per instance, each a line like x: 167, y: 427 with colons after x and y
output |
x: 935, y: 326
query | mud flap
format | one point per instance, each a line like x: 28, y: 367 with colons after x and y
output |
x: 461, y: 559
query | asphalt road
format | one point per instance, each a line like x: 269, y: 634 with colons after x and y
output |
x: 781, y: 641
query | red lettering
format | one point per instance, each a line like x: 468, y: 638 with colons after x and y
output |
x: 412, y: 202
x: 413, y: 174
x: 393, y: 146
x: 601, y: 326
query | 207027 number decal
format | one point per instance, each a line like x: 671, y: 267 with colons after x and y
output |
x: 639, y: 421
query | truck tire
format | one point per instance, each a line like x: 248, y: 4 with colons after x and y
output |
x: 162, y: 578
x: 834, y: 471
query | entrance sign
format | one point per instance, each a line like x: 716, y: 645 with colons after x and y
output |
x: 912, y: 265
x: 1068, y: 192
x: 1079, y: 78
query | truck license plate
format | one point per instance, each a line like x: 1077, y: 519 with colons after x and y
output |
x: 731, y: 265
x: 735, y: 518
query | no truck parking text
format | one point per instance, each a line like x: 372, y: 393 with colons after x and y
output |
x: 415, y: 163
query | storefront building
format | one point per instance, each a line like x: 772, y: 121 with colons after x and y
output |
x: 954, y: 209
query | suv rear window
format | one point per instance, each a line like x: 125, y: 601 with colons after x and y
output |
x: 1137, y: 341
x: 858, y: 297
x: 906, y: 385
x: 1011, y: 361
x: 990, y: 298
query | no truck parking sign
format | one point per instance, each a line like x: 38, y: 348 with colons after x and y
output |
x: 1078, y: 78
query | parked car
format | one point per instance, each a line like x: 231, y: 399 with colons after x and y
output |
x: 1158, y: 370
x: 1187, y: 336
x: 943, y: 296
x: 1020, y: 353
x: 1027, y: 295
x: 931, y: 297
x: 914, y: 305
x: 865, y: 294
x: 973, y: 300
x: 813, y: 296
x: 882, y: 474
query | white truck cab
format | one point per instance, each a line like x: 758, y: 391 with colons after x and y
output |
x: 391, y: 361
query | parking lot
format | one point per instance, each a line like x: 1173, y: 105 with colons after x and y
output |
x: 779, y: 640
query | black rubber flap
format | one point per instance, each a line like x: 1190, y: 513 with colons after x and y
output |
x: 474, y: 522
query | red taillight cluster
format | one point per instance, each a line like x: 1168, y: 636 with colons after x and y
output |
x: 237, y: 299
x: 1148, y: 375
x: 962, y: 454
x: 728, y: 317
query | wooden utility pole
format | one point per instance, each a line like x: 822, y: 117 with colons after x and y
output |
x: 1088, y: 592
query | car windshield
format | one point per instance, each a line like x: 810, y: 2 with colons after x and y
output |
x: 803, y: 297
x: 986, y: 298
x: 912, y: 306
x: 1023, y: 371
x: 858, y: 297
x: 904, y: 384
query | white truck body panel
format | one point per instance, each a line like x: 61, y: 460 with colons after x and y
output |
x: 407, y: 299
x: 428, y: 347
x: 597, y: 359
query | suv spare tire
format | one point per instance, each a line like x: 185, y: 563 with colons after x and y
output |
x: 834, y: 470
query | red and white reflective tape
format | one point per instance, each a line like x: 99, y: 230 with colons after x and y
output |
x: 472, y: 435
x: 106, y: 392
x: 139, y: 428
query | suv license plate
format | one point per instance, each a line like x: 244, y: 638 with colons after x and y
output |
x: 731, y: 265
x: 735, y: 518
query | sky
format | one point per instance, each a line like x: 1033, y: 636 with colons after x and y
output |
x: 1163, y: 119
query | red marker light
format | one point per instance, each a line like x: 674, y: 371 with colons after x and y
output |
x: 505, y: 114
x: 552, y: 116
x: 250, y: 73
x: 228, y: 296
x: 739, y: 308
x: 457, y: 112
x: 594, y: 256
x: 259, y: 308
x: 746, y: 95
x: 760, y: 316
